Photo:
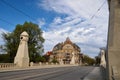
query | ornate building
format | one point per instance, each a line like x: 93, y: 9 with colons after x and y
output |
x: 66, y: 53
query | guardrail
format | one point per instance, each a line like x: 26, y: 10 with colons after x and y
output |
x: 7, y: 65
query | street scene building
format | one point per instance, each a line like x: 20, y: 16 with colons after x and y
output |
x: 66, y: 52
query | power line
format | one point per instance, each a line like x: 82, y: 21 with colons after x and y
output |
x: 18, y: 10
x: 34, y: 18
x: 98, y: 10
x: 7, y: 22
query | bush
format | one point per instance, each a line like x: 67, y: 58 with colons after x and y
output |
x: 54, y: 61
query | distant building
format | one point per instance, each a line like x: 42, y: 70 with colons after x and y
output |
x: 48, y: 53
x: 66, y: 52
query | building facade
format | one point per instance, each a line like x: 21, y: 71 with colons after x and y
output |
x: 66, y: 52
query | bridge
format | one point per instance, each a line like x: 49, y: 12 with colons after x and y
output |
x: 112, y: 56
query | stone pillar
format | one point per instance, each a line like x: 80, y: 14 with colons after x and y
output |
x: 22, y: 56
x: 103, y: 60
x: 80, y: 62
x: 113, y: 47
x: 73, y: 58
x: 40, y: 63
x: 61, y: 62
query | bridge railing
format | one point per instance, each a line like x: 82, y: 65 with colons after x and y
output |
x: 12, y: 66
x: 41, y: 64
x: 7, y: 65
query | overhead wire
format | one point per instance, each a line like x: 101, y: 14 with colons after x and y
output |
x: 98, y: 10
x: 18, y: 10
x: 22, y: 12
x: 7, y: 22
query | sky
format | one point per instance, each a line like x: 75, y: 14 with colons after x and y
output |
x: 85, y: 22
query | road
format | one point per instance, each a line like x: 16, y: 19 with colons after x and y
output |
x: 59, y: 73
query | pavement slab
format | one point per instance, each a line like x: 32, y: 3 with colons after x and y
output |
x: 95, y: 74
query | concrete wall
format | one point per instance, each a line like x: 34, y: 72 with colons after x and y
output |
x: 113, y: 56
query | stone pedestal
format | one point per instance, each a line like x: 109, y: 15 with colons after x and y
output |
x: 73, y: 58
x: 113, y: 48
x: 22, y: 56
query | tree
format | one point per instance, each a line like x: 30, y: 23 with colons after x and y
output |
x: 97, y: 59
x: 46, y: 57
x: 35, y: 43
x: 54, y: 61
x: 4, y: 58
x: 88, y: 60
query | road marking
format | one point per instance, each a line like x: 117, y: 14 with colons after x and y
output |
x: 25, y: 77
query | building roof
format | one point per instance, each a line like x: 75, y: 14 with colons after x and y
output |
x: 68, y: 41
x: 59, y: 46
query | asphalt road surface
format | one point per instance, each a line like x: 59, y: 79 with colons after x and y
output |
x: 59, y: 73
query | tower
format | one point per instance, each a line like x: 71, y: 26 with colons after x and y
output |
x: 22, y: 57
x: 113, y: 47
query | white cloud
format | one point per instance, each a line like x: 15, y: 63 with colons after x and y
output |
x: 84, y: 8
x: 57, y: 20
x: 1, y: 38
x: 41, y: 22
x: 89, y: 34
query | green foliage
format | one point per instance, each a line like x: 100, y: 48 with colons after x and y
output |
x: 35, y: 43
x: 4, y: 58
x: 47, y: 57
x: 88, y: 60
x: 54, y: 61
x: 42, y: 59
x: 39, y: 59
x: 97, y: 59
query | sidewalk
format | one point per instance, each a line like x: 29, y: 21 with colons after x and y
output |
x: 94, y: 75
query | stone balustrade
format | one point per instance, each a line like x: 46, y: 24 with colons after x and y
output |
x: 7, y: 65
x: 11, y: 66
x: 41, y: 64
